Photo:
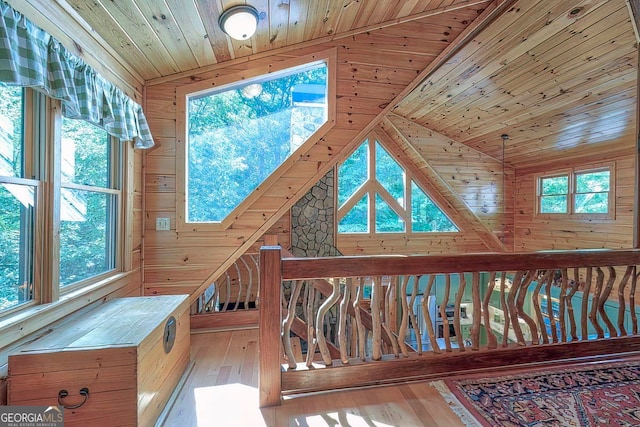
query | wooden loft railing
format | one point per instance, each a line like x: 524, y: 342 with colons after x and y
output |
x: 232, y: 300
x: 439, y: 314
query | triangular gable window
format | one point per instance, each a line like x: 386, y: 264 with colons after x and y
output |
x: 401, y: 205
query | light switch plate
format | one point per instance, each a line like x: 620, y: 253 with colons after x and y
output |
x: 163, y: 224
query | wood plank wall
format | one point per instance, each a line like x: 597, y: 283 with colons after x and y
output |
x: 541, y: 233
x: 372, y: 69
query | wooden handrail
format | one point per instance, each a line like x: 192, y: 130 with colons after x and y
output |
x: 546, y: 303
x: 397, y: 265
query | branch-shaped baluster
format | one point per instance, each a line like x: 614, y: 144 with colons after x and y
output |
x: 443, y: 312
x: 342, y: 328
x: 311, y: 330
x: 412, y: 315
x: 226, y: 302
x: 569, y: 301
x: 595, y: 302
x: 513, y: 309
x: 361, y: 331
x: 621, y: 302
x: 249, y: 285
x: 376, y: 330
x: 505, y: 310
x: 235, y: 306
x: 404, y: 321
x: 562, y: 305
x: 210, y: 304
x: 296, y: 286
x: 255, y: 260
x: 462, y: 283
x: 322, y: 311
x: 391, y: 303
x: 533, y: 328
x: 492, y: 341
x: 305, y: 300
x: 477, y: 310
x: 584, y: 322
x: 550, y: 315
x: 387, y: 318
x: 603, y: 299
x: 427, y: 315
x: 535, y: 302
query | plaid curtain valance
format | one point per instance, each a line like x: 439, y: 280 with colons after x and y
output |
x: 31, y: 57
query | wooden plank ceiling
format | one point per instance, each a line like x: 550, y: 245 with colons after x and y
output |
x: 557, y: 77
x: 164, y: 37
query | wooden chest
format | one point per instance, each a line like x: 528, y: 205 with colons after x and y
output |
x: 118, y: 352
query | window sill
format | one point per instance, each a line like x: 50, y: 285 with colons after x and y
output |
x: 19, y: 324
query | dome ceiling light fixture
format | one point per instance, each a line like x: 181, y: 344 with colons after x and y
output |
x: 239, y: 22
x: 252, y: 90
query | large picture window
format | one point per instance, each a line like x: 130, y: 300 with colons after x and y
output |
x: 577, y: 192
x: 239, y: 134
x: 377, y: 195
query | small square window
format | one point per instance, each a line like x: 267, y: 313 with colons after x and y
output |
x: 554, y: 194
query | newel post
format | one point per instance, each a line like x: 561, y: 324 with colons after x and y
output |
x: 269, y: 322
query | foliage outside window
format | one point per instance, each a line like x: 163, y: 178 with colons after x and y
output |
x: 84, y: 200
x: 89, y: 202
x: 376, y: 195
x: 554, y: 195
x: 239, y: 135
x: 17, y: 204
x: 581, y: 192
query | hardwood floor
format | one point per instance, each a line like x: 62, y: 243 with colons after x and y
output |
x: 221, y: 390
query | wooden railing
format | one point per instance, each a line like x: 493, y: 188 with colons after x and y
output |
x: 431, y: 315
x: 232, y: 300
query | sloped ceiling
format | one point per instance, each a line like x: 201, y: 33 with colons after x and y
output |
x: 559, y: 78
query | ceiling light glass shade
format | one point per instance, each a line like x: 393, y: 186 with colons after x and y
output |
x: 239, y: 22
x: 252, y: 90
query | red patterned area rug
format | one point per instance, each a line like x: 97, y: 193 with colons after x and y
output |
x: 594, y: 395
